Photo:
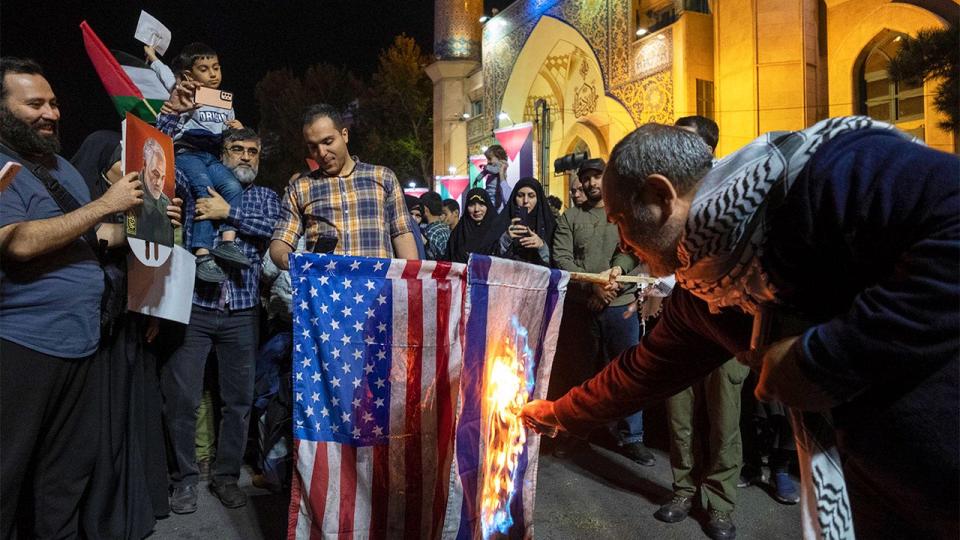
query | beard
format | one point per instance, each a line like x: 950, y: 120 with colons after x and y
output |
x: 245, y: 174
x: 656, y: 244
x: 25, y: 138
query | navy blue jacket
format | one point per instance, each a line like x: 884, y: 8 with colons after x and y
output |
x: 867, y: 244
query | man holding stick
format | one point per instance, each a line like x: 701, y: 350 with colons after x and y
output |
x: 827, y: 259
x: 585, y: 242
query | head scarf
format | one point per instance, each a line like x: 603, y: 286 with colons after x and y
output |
x: 468, y: 236
x: 99, y: 151
x: 540, y: 220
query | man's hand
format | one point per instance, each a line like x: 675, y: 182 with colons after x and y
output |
x: 781, y: 379
x: 124, y: 194
x: 150, y: 53
x: 233, y: 124
x: 175, y: 211
x: 181, y: 98
x: 538, y: 415
x: 213, y: 207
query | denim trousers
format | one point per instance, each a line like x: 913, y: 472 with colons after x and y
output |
x: 204, y: 170
x: 233, y: 335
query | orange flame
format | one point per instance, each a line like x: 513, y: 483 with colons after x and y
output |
x: 507, y: 385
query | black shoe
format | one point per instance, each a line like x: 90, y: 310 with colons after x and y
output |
x: 229, y: 252
x: 570, y: 447
x: 184, y: 500
x: 207, y: 270
x: 230, y: 494
x: 749, y: 475
x: 204, y: 467
x: 721, y: 526
x: 676, y: 510
x: 639, y: 453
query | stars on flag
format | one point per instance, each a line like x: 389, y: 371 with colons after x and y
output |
x: 348, y: 400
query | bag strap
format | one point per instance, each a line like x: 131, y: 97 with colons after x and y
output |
x: 64, y: 199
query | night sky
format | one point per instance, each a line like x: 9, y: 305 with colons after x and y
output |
x: 251, y: 37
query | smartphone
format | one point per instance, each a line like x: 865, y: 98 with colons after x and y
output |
x: 325, y: 244
x: 7, y: 173
x: 524, y: 215
x: 213, y: 98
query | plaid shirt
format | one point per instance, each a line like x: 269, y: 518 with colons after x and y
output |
x: 253, y: 218
x: 438, y: 235
x: 364, y: 211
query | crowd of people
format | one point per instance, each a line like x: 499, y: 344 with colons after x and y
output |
x: 107, y: 414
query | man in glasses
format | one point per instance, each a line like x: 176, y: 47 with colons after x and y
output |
x: 226, y: 315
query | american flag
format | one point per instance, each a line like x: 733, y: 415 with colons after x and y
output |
x: 377, y: 359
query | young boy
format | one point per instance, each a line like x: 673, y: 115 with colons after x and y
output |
x: 197, y: 140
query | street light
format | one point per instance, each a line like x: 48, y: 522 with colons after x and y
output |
x: 452, y: 169
x: 411, y: 184
x: 641, y: 32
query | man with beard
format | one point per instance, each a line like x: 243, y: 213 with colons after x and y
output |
x: 826, y: 259
x: 225, y: 316
x: 585, y: 242
x: 152, y: 222
x: 50, y: 289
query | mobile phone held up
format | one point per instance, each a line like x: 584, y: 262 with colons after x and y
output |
x: 524, y: 215
x: 213, y: 98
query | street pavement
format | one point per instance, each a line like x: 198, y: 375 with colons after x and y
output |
x: 597, y: 494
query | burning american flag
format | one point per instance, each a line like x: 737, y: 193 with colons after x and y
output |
x: 384, y: 351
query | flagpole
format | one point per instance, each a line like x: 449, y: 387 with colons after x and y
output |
x: 585, y: 277
x: 149, y: 108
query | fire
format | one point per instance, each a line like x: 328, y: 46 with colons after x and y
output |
x: 508, y: 381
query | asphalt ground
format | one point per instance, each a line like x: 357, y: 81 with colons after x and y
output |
x: 594, y: 494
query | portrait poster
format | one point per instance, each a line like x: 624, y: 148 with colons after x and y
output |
x: 148, y: 151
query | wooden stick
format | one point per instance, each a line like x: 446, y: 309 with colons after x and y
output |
x: 585, y: 277
x: 147, y: 103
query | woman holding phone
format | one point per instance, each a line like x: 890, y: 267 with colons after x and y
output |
x: 524, y: 230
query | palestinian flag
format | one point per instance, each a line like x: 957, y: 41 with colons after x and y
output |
x: 132, y: 85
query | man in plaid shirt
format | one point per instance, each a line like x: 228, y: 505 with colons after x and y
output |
x: 225, y: 315
x: 345, y: 206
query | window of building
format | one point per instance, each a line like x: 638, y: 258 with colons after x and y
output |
x: 881, y: 97
x: 652, y: 15
x: 476, y: 108
x: 705, y: 99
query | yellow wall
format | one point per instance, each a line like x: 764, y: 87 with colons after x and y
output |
x: 692, y: 60
x: 851, y: 26
x: 767, y: 68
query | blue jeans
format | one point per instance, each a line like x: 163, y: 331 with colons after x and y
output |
x: 615, y: 334
x: 204, y: 170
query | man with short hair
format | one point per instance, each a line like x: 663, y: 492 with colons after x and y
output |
x: 827, y: 260
x: 451, y: 213
x: 585, y: 241
x: 50, y: 291
x: 224, y: 316
x: 357, y: 208
x: 437, y: 232
x: 705, y: 128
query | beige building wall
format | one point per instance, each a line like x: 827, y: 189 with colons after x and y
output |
x: 852, y: 26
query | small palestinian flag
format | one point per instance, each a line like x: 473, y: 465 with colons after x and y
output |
x: 132, y: 85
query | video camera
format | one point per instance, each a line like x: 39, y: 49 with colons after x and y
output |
x: 569, y: 162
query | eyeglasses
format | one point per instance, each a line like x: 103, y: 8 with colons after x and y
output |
x: 238, y: 150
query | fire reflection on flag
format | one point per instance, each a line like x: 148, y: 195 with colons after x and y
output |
x: 508, y: 381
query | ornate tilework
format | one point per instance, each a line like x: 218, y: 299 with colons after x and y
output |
x: 456, y: 34
x: 606, y: 26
